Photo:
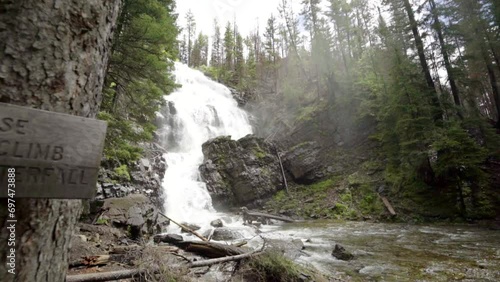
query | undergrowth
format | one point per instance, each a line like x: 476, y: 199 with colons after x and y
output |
x: 273, y: 266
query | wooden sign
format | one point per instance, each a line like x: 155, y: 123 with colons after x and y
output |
x: 54, y: 155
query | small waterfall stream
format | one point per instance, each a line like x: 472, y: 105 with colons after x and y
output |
x: 199, y: 110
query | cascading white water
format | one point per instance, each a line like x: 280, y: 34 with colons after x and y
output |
x: 198, y: 111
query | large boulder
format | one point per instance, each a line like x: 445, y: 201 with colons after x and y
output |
x: 304, y: 163
x: 242, y: 172
x: 134, y: 213
x: 226, y: 234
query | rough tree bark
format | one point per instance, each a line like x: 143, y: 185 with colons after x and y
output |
x: 53, y: 56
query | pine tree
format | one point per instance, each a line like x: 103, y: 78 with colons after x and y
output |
x: 215, y: 59
x: 239, y: 60
x: 444, y: 51
x: 271, y: 39
x: 199, y: 54
x: 191, y: 31
x: 292, y: 27
x: 183, y: 50
x: 228, y: 46
x: 475, y: 35
x: 139, y: 75
x: 419, y: 44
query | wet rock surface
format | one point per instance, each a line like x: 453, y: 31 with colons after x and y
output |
x: 303, y: 162
x: 340, y: 253
x: 240, y: 96
x: 216, y: 223
x: 226, y: 234
x: 168, y: 238
x: 243, y: 172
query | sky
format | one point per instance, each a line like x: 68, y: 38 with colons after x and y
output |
x: 248, y: 13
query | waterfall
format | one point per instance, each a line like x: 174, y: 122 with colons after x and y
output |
x: 198, y: 111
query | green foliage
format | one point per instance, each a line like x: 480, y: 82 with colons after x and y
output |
x: 121, y: 136
x: 122, y: 172
x: 280, y: 196
x: 432, y: 137
x: 340, y: 208
x: 306, y: 113
x: 458, y: 154
x: 259, y: 152
x: 102, y: 221
x: 346, y: 197
x: 138, y: 77
x: 199, y: 53
x: 272, y: 266
x: 322, y: 185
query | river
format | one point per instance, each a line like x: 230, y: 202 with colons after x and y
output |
x: 203, y: 109
x: 399, y: 252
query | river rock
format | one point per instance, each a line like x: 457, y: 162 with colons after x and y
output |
x: 168, y: 238
x: 340, y: 253
x: 193, y: 227
x: 243, y: 172
x: 216, y: 223
x: 303, y: 161
x: 226, y: 234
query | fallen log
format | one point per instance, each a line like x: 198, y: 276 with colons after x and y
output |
x: 210, y: 249
x: 105, y: 276
x: 125, y: 249
x: 182, y: 226
x: 252, y: 216
x: 209, y: 262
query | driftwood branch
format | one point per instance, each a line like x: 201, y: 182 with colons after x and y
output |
x: 185, y: 228
x: 387, y: 205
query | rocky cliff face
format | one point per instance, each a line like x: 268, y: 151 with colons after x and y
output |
x: 243, y: 172
x: 131, y: 200
x: 146, y: 177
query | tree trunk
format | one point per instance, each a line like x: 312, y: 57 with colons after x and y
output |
x: 446, y: 57
x: 437, y: 113
x: 494, y: 87
x: 53, y: 56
